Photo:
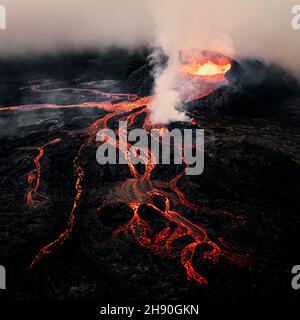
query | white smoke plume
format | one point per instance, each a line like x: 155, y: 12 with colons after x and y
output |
x: 166, y: 97
x: 239, y: 28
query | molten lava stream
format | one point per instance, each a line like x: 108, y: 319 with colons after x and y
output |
x: 79, y: 172
x: 140, y: 190
x: 35, y: 174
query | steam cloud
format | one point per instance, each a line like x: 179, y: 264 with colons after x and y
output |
x: 237, y: 28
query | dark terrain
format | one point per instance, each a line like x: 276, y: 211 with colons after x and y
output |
x: 252, y: 169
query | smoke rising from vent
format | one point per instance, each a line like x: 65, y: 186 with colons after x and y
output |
x: 237, y: 28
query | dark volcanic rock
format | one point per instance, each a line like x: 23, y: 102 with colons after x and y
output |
x: 252, y: 170
x: 254, y: 89
x: 140, y: 81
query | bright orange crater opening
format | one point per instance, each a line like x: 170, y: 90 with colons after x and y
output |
x: 207, y: 69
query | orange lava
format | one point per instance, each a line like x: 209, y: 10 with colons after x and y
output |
x: 139, y: 190
x: 207, y: 69
x: 34, y: 176
x: 201, y: 73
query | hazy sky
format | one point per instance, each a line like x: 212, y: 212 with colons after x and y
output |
x: 260, y: 28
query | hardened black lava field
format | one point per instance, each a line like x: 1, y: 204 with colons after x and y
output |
x: 73, y: 229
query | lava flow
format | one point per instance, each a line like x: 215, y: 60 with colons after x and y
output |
x: 140, y: 189
x: 34, y: 176
x: 201, y: 73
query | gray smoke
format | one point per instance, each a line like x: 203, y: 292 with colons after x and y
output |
x: 238, y: 28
